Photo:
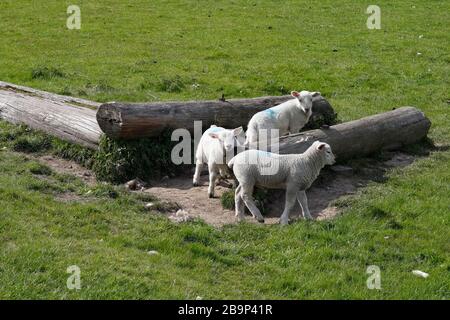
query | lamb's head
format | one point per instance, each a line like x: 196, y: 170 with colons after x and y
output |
x: 324, y: 150
x: 229, y: 138
x: 306, y: 100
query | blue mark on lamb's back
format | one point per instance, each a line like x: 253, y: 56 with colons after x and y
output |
x: 265, y: 153
x: 270, y: 113
x: 216, y: 129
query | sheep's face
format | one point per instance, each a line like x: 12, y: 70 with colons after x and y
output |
x: 306, y: 100
x: 228, y: 138
x: 325, y: 149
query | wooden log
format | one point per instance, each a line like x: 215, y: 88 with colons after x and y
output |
x: 68, y: 118
x: 137, y: 120
x: 386, y: 131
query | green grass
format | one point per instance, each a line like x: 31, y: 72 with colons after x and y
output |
x: 108, y: 235
x: 168, y: 50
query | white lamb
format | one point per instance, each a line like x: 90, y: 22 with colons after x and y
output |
x: 215, y: 146
x: 288, y: 117
x: 293, y: 172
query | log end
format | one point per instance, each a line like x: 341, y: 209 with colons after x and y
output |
x: 109, y: 119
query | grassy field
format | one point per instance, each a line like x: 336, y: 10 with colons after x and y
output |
x: 160, y: 50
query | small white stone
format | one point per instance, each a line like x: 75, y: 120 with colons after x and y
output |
x: 420, y: 273
x: 181, y: 213
x: 180, y: 216
x: 149, y: 205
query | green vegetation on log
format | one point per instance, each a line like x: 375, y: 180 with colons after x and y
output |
x: 121, y: 160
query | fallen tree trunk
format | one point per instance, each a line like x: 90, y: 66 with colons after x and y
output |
x: 68, y: 118
x: 386, y: 131
x: 138, y: 120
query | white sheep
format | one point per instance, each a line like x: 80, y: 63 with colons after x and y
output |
x: 293, y: 172
x: 216, y: 145
x: 288, y: 117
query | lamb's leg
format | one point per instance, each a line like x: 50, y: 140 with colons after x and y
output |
x: 213, y: 175
x: 246, y: 194
x: 198, y: 170
x: 291, y: 195
x: 239, y: 204
x: 303, y: 200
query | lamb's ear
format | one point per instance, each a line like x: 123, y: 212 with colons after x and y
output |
x: 214, y: 135
x: 321, y: 146
x: 295, y: 94
x: 237, y: 131
x: 316, y: 93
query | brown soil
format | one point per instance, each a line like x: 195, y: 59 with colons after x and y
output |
x: 329, y: 186
x: 67, y: 167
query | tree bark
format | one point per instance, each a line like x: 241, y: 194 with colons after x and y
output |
x: 386, y: 131
x: 138, y: 120
x: 70, y: 119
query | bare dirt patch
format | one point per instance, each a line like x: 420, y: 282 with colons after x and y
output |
x: 68, y: 197
x: 331, y: 185
x: 63, y: 166
x: 194, y: 200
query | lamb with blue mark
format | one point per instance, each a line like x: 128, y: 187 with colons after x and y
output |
x: 288, y: 117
